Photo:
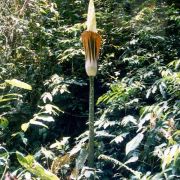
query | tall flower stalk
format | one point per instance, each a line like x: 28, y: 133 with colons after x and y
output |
x: 91, y: 42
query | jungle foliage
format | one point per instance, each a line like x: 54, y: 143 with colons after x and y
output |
x: 44, y: 90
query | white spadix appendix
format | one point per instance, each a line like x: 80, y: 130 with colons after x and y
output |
x: 92, y: 42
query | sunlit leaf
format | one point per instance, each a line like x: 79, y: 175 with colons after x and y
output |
x: 119, y: 138
x: 20, y: 84
x: 132, y: 159
x: 128, y: 119
x: 60, y: 144
x: 47, y: 96
x: 7, y: 99
x: 134, y: 143
x: 34, y: 167
x: 25, y: 126
x: 45, y: 118
x: 47, y: 153
x: 37, y: 123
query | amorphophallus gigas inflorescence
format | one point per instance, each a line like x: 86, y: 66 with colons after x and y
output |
x: 92, y: 42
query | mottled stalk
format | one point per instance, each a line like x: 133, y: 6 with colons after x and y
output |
x: 91, y: 123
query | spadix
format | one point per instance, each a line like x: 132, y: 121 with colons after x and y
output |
x: 91, y: 17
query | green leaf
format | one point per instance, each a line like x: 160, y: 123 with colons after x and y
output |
x: 134, y: 143
x: 3, y: 123
x: 7, y: 99
x: 4, y: 154
x: 34, y: 167
x: 20, y: 84
x: 25, y: 161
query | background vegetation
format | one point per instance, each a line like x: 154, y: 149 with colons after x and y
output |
x: 43, y: 131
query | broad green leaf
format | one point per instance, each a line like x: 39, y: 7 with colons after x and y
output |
x: 20, y: 84
x: 34, y: 167
x: 134, y: 143
x: 26, y: 162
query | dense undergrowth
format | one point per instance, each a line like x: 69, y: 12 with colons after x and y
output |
x: 43, y: 131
